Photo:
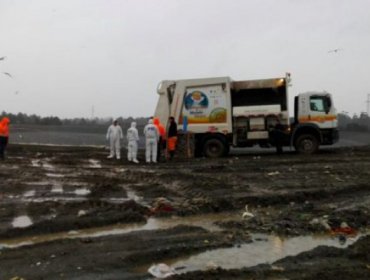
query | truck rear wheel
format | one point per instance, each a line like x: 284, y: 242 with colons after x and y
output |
x: 307, y: 144
x: 214, y: 148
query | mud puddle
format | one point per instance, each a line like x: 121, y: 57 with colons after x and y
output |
x: 265, y: 249
x: 55, y: 175
x: 57, y: 188
x: 82, y: 191
x: 205, y: 221
x: 94, y: 163
x: 29, y: 193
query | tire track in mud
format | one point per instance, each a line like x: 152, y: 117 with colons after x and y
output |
x: 30, y: 193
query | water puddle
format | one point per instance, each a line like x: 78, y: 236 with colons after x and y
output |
x: 263, y: 249
x: 57, y: 188
x: 82, y: 191
x: 120, y: 170
x: 22, y: 222
x: 131, y: 195
x: 29, y: 193
x: 48, y: 166
x: 269, y: 250
x: 54, y: 199
x: 206, y: 221
x: 93, y: 163
x: 38, y: 183
x: 54, y: 175
x: 35, y: 163
x: 9, y: 167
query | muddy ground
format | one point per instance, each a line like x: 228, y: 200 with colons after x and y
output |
x: 65, y: 197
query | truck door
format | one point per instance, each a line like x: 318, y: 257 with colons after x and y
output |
x: 319, y: 111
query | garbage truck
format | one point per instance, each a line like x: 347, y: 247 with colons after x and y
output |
x: 222, y: 113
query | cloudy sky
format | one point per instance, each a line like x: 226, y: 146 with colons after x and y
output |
x: 69, y: 56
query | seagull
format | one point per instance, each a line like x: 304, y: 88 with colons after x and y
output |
x: 247, y: 215
x: 8, y: 74
x: 334, y: 50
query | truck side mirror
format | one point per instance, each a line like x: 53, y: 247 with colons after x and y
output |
x: 327, y: 104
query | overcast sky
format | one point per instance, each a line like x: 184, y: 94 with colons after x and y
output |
x: 68, y: 56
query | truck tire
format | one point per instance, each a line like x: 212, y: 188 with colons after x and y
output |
x: 214, y: 148
x: 306, y: 144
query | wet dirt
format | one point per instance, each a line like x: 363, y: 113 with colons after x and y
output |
x: 196, y: 205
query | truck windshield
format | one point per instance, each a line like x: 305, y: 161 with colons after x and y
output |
x: 318, y: 103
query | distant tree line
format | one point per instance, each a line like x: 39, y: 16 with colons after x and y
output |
x: 355, y: 123
x: 33, y: 119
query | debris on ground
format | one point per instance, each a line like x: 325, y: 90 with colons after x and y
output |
x: 161, y: 270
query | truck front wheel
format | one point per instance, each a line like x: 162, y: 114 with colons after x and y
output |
x: 214, y: 148
x: 307, y: 144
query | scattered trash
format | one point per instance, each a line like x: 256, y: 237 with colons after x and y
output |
x: 247, y: 215
x: 22, y: 222
x: 342, y: 239
x: 344, y: 229
x: 17, y: 278
x: 344, y: 225
x: 321, y: 221
x: 277, y: 268
x: 161, y: 204
x: 339, y: 179
x: 161, y: 270
x: 211, y: 265
x: 81, y: 213
x: 273, y: 173
x: 38, y: 263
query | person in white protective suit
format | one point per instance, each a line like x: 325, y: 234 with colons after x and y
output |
x: 132, y: 139
x: 151, y: 141
x: 114, y: 135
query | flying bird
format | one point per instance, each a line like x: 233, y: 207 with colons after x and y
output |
x: 8, y: 74
x: 334, y: 50
x: 2, y: 58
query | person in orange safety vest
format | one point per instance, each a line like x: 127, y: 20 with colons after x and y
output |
x: 172, y: 137
x: 4, y: 136
x: 162, y: 137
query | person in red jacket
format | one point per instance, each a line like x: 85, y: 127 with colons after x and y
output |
x: 162, y: 137
x: 4, y: 136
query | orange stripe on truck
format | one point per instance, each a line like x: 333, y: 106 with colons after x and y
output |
x: 319, y: 119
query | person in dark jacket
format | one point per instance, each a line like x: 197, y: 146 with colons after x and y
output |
x: 172, y: 137
x: 278, y: 135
